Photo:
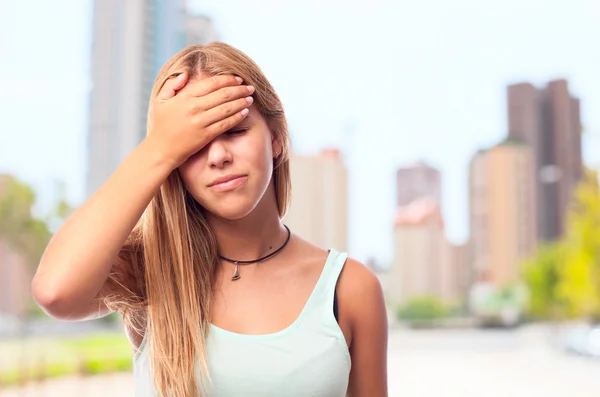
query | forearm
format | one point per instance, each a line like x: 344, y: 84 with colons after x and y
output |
x: 79, y: 258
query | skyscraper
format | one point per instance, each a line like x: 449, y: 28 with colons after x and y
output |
x: 419, y: 250
x: 548, y: 120
x: 418, y: 181
x: 456, y: 272
x: 319, y: 208
x: 501, y: 211
x: 131, y: 41
x: 166, y: 31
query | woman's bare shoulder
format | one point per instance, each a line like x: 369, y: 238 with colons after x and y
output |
x: 360, y: 291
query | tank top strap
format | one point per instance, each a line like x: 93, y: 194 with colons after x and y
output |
x: 336, y: 264
x: 325, y: 289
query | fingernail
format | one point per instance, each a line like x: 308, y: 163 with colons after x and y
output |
x: 244, y: 111
x: 250, y: 88
x: 239, y: 79
x: 249, y: 99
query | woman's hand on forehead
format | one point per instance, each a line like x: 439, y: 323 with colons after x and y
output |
x: 187, y: 114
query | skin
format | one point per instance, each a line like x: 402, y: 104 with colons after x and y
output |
x: 203, y: 147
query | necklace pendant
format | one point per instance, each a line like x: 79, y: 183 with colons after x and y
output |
x: 236, y: 273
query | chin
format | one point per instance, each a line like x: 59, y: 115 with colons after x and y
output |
x: 232, y: 211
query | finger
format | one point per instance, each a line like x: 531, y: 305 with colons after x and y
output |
x: 226, y: 124
x: 210, y: 84
x: 221, y: 112
x: 173, y: 85
x: 224, y: 95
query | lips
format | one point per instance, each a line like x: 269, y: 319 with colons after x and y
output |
x: 227, y: 182
x: 224, y: 179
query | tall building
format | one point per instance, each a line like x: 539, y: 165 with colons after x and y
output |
x: 131, y: 41
x: 166, y: 31
x: 319, y: 208
x: 502, y: 211
x: 549, y: 121
x: 455, y: 274
x: 418, y: 181
x: 419, y: 250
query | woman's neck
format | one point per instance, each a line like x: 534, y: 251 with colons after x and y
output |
x: 254, y: 236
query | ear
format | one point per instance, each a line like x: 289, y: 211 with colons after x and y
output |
x: 276, y: 147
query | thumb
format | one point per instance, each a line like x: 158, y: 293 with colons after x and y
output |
x: 173, y: 85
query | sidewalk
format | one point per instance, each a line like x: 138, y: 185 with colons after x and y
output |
x: 428, y: 363
x: 115, y: 385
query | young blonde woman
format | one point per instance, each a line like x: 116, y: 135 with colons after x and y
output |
x: 186, y: 241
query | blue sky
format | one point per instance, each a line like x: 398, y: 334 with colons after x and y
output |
x: 387, y: 82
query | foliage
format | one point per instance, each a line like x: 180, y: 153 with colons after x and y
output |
x: 424, y: 308
x: 579, y: 277
x: 24, y: 233
x: 541, y: 273
x: 50, y: 358
x: 564, y: 276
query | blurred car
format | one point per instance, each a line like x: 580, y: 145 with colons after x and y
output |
x: 497, y: 307
x: 583, y: 339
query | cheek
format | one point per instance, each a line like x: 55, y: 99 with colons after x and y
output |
x: 263, y: 159
x: 191, y: 170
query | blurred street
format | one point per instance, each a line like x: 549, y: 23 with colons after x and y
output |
x: 449, y: 363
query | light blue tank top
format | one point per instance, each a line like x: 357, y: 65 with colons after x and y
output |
x: 310, y: 358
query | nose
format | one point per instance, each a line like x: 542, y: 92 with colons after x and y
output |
x: 218, y: 153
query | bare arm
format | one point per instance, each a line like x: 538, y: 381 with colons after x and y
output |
x: 368, y: 349
x: 79, y: 258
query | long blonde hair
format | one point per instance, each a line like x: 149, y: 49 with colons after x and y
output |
x: 168, y: 265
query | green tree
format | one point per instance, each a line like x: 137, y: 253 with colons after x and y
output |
x: 422, y: 309
x: 22, y: 232
x: 541, y: 273
x: 579, y: 278
x: 563, y: 277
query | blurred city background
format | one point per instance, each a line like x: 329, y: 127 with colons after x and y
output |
x: 453, y: 147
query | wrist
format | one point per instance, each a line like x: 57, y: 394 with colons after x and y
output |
x: 158, y: 158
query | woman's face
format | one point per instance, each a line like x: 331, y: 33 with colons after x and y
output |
x: 230, y: 175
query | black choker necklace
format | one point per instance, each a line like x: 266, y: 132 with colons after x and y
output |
x: 236, y: 274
